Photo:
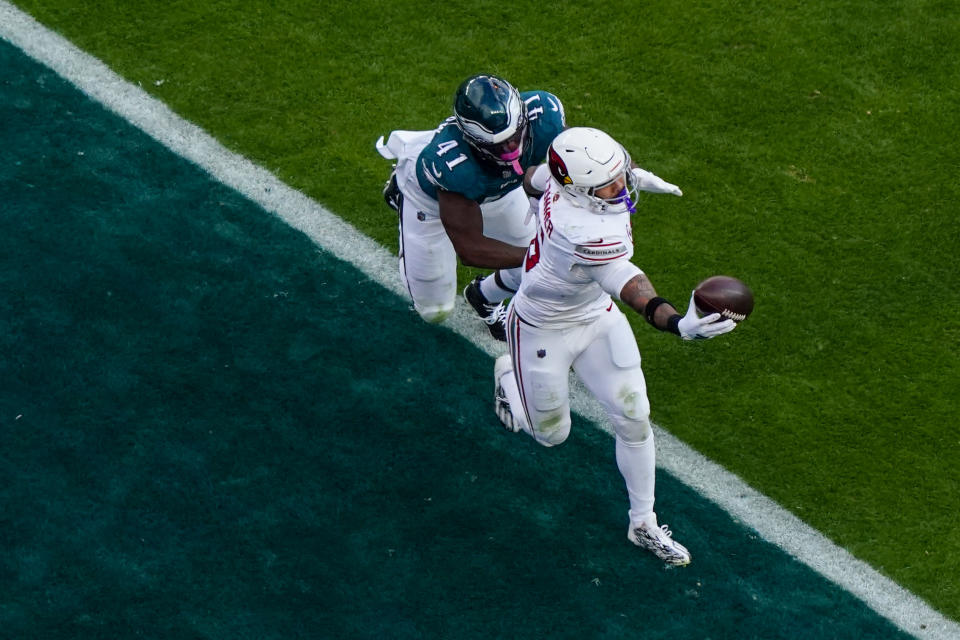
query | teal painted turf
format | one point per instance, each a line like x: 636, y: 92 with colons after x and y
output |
x: 211, y: 429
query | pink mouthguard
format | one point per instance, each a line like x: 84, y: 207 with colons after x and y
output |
x: 513, y: 157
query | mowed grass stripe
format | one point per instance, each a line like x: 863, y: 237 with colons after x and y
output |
x: 327, y: 230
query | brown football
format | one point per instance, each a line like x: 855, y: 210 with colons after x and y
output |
x: 725, y: 295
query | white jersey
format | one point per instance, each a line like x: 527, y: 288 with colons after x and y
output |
x: 574, y: 264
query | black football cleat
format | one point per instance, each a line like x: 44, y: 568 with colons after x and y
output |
x: 493, y: 314
x: 392, y: 194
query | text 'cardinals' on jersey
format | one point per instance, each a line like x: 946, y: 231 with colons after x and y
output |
x: 574, y: 264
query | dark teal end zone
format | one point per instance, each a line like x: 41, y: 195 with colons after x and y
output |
x: 212, y: 429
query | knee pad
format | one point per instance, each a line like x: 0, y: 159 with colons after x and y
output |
x: 550, y: 410
x: 632, y: 416
x: 434, y: 314
x: 633, y: 405
x: 632, y: 432
x: 552, y: 429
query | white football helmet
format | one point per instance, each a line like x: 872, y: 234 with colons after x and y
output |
x: 583, y: 160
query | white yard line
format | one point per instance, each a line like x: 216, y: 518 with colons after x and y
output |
x: 772, y: 522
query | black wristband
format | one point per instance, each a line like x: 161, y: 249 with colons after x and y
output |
x: 673, y: 324
x: 651, y: 309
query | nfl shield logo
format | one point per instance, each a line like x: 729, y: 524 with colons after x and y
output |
x: 541, y: 353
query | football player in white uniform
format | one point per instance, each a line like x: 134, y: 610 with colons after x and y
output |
x: 563, y: 316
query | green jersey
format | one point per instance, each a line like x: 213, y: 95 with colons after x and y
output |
x: 448, y: 162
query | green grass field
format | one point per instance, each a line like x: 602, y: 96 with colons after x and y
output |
x: 814, y: 145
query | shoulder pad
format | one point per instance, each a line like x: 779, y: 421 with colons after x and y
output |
x: 446, y: 163
x: 547, y: 119
x: 595, y: 238
x: 543, y: 105
x: 580, y: 226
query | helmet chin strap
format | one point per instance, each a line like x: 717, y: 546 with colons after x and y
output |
x: 513, y: 157
x: 631, y: 207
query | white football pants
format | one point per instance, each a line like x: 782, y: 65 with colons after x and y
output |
x: 428, y: 262
x: 605, y: 357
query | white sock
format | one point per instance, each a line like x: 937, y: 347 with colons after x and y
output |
x: 637, y: 464
x: 492, y: 290
x: 509, y: 279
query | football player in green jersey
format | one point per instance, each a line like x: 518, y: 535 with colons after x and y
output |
x: 459, y: 192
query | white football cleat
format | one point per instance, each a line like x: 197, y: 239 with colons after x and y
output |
x: 659, y: 541
x: 501, y: 406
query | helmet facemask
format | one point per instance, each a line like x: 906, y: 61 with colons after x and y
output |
x: 586, y: 163
x: 625, y: 199
x: 506, y: 153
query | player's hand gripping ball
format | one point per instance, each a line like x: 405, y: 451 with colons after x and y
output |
x: 725, y: 295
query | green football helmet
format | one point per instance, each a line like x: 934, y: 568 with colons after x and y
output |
x: 493, y: 119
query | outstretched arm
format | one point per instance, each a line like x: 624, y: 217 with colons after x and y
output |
x: 640, y: 295
x: 463, y: 221
x: 637, y: 294
x: 652, y: 183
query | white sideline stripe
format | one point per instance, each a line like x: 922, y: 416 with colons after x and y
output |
x: 772, y: 522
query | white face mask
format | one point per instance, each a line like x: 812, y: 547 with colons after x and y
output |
x: 621, y: 201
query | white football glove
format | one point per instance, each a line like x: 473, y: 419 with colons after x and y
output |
x: 647, y: 181
x: 693, y: 327
x: 533, y: 210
